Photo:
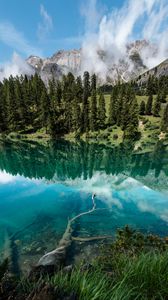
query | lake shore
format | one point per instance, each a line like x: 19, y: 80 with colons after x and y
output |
x: 130, y: 267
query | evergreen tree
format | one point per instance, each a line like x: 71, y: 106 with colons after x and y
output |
x: 12, y: 105
x: 76, y: 115
x: 163, y: 95
x: 157, y: 106
x: 164, y: 121
x: 3, y: 122
x: 124, y: 113
x: 93, y: 111
x: 131, y: 129
x: 120, y: 103
x: 68, y: 94
x: 142, y: 108
x: 149, y: 105
x: 93, y: 82
x: 113, y: 106
x: 58, y: 92
x: 79, y: 89
x: 45, y: 109
x: 151, y: 85
x: 101, y: 112
x: 85, y: 105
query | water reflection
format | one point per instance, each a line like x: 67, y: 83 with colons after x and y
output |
x: 42, y: 185
x: 62, y: 160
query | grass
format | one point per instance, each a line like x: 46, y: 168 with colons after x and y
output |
x: 133, y: 267
x: 87, y: 285
x: 144, y: 277
x: 112, y: 135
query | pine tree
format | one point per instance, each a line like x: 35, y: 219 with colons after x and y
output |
x: 149, y: 105
x: 12, y: 105
x: 128, y: 96
x: 68, y: 94
x: 113, y: 106
x: 142, y: 108
x: 85, y: 105
x: 131, y: 129
x: 93, y: 111
x: 3, y: 123
x: 164, y: 121
x: 163, y: 95
x: 157, y: 106
x: 101, y: 112
x: 151, y: 85
x: 93, y: 82
x: 76, y: 115
x: 79, y: 89
x: 45, y: 109
x: 22, y: 109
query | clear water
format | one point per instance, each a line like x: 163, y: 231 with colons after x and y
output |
x: 41, y: 186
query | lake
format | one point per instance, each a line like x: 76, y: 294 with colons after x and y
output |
x: 43, y: 185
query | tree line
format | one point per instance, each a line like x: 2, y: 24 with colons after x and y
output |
x: 70, y: 105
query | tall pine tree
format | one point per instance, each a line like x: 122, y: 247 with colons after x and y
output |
x: 164, y: 121
x: 93, y: 111
x: 149, y: 105
x: 101, y: 112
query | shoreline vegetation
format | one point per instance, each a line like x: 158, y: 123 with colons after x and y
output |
x: 133, y: 266
x: 77, y: 109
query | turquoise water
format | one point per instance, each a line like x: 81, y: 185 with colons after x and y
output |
x: 41, y: 186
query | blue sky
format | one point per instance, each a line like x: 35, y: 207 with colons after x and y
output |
x: 42, y: 26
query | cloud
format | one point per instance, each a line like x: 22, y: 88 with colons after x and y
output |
x: 6, y: 178
x: 46, y: 25
x: 16, y: 66
x: 107, y: 45
x: 10, y: 36
x: 91, y: 15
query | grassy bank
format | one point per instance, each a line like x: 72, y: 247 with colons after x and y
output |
x: 134, y: 266
x: 149, y: 128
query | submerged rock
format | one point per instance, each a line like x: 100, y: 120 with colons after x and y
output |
x: 55, y: 257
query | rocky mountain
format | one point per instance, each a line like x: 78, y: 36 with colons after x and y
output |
x: 158, y: 71
x: 60, y: 63
x: 127, y: 67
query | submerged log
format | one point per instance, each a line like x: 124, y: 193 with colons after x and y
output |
x: 58, y: 256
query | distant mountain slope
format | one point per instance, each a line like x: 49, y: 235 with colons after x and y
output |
x: 158, y: 71
x: 64, y: 61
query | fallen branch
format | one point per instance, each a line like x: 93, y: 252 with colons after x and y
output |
x: 57, y: 256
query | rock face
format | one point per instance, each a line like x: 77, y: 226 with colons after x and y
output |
x: 69, y: 59
x: 62, y: 62
x: 158, y: 71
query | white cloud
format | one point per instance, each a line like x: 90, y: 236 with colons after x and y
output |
x: 10, y: 36
x: 6, y: 178
x: 91, y: 14
x: 16, y: 66
x: 147, y: 19
x: 118, y: 190
x: 46, y: 25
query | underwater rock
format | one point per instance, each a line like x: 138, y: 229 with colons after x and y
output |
x: 55, y: 257
x: 17, y: 242
x: 68, y: 269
